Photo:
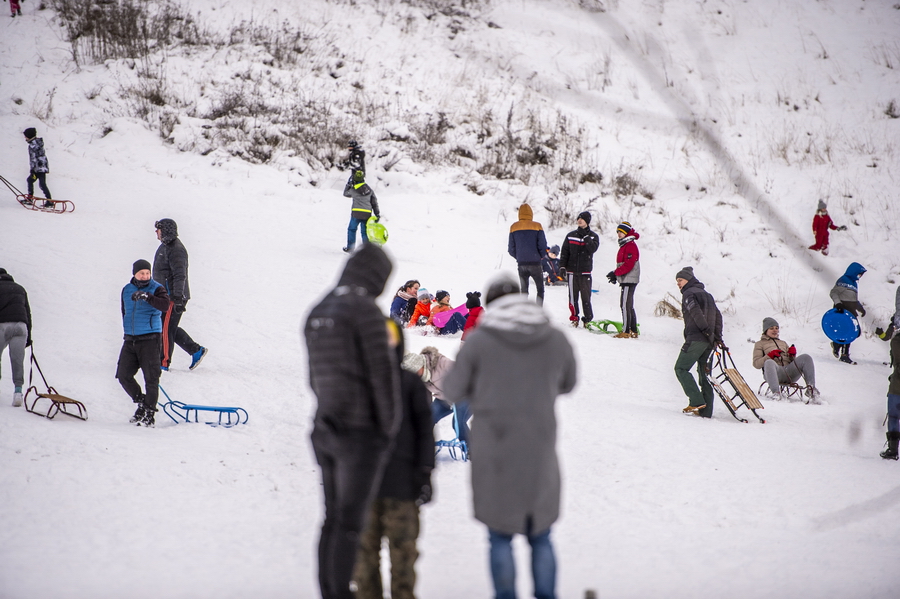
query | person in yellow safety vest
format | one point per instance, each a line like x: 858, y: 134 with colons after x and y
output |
x: 365, y: 204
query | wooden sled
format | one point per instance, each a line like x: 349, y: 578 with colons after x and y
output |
x: 56, y: 403
x: 181, y: 412
x: 38, y: 204
x: 730, y: 386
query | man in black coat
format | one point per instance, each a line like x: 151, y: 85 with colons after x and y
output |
x: 170, y: 268
x: 577, y: 260
x: 355, y: 376
x: 702, y: 332
x: 15, y: 329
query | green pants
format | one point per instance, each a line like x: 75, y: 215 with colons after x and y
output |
x: 695, y: 352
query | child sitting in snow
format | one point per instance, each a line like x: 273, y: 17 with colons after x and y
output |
x: 550, y: 264
x: 455, y: 323
x: 422, y: 312
x: 820, y: 226
x: 473, y: 303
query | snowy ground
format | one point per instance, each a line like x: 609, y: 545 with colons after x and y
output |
x: 654, y: 502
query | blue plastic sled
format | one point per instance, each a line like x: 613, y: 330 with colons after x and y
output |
x: 181, y: 412
x: 840, y: 327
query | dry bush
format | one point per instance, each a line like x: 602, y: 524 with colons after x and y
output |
x: 668, y: 306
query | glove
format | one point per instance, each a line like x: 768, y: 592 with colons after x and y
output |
x: 611, y: 277
x: 423, y: 483
x: 33, y: 176
x: 723, y: 346
x: 28, y: 343
x: 775, y: 353
x: 377, y: 217
x: 839, y: 308
x: 842, y: 228
x: 562, y: 272
x: 862, y: 311
x: 139, y: 295
x: 179, y: 307
x: 792, y: 350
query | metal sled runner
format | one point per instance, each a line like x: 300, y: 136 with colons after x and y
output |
x: 730, y: 385
x: 58, y: 404
x: 457, y: 448
x: 38, y: 204
x: 181, y: 412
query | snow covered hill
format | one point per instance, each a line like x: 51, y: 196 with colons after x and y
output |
x: 716, y: 125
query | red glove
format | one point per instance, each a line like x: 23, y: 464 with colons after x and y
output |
x: 792, y: 350
x: 775, y: 353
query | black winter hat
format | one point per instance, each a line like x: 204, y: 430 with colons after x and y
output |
x: 30, y: 133
x: 441, y: 294
x: 140, y: 265
x: 169, y: 229
x: 473, y: 299
x: 686, y: 273
x: 586, y: 216
x: 504, y: 284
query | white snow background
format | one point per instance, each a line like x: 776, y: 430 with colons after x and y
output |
x: 737, y: 116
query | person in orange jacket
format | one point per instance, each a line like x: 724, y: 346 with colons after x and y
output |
x: 423, y: 308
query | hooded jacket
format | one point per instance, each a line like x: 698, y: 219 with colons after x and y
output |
x: 527, y: 242
x: 170, y: 264
x: 37, y: 158
x: 628, y: 265
x: 352, y: 370
x: 577, y: 255
x: 14, y: 305
x: 511, y: 369
x: 702, y: 319
x: 364, y: 201
x: 846, y: 289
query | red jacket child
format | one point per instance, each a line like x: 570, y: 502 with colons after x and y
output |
x: 820, y: 225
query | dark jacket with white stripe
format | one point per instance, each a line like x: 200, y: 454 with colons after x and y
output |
x: 577, y: 255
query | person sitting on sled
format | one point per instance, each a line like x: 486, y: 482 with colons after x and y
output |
x: 40, y: 166
x: 365, y: 204
x: 550, y: 264
x: 820, y: 226
x: 456, y: 322
x: 781, y: 364
x: 473, y: 303
x: 432, y: 366
x: 422, y: 311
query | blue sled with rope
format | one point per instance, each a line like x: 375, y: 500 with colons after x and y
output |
x: 457, y: 448
x: 182, y: 412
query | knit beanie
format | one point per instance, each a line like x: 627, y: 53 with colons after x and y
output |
x: 555, y: 250
x: 140, y: 265
x: 502, y: 284
x: 413, y: 362
x: 423, y: 295
x: 441, y: 294
x: 822, y: 205
x: 473, y: 299
x: 624, y: 227
x: 30, y: 133
x: 768, y: 323
x: 585, y: 216
x: 686, y: 273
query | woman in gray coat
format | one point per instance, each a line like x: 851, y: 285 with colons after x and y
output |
x: 511, y: 369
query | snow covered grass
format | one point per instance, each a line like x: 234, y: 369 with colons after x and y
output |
x: 680, y: 105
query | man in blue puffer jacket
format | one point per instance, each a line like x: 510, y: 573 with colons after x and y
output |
x: 143, y: 303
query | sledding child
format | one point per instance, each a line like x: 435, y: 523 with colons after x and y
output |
x: 405, y: 486
x: 422, y: 311
x: 820, y: 226
x: 781, y: 364
x: 365, y: 204
x: 442, y: 304
x: 473, y: 303
x: 15, y: 8
x: 845, y: 295
x: 628, y: 275
x: 39, y: 165
x: 550, y: 264
x: 143, y: 303
x: 404, y: 302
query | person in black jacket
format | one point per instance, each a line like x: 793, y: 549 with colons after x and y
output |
x: 15, y: 329
x: 406, y: 485
x: 354, y: 373
x: 577, y: 260
x: 528, y: 245
x: 170, y: 268
x: 702, y: 332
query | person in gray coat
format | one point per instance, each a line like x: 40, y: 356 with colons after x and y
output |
x: 365, y: 205
x: 15, y: 329
x: 511, y: 369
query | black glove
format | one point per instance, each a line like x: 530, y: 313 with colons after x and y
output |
x: 377, y: 217
x: 611, y: 277
x: 28, y: 343
x: 562, y: 272
x: 179, y: 307
x: 139, y: 295
x: 842, y: 228
x: 862, y: 311
x: 423, y: 484
x: 723, y: 346
x: 839, y: 308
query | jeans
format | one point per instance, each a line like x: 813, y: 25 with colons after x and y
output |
x: 534, y: 272
x: 351, y: 231
x: 893, y: 402
x: 695, y: 352
x: 503, y: 566
x: 440, y: 409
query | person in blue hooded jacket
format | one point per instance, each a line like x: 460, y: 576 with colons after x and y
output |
x: 845, y: 295
x: 143, y: 303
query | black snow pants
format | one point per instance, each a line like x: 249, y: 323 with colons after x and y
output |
x: 140, y: 353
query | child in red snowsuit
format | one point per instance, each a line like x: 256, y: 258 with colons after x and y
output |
x: 15, y: 8
x: 820, y: 226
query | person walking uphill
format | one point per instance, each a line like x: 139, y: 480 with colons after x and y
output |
x: 845, y: 295
x: 577, y: 260
x: 628, y: 275
x: 39, y: 165
x: 15, y: 329
x: 511, y: 370
x: 144, y: 301
x: 528, y: 245
x: 702, y: 331
x: 365, y: 204
x: 170, y: 268
x: 355, y: 376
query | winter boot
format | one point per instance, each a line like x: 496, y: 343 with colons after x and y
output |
x: 141, y: 410
x: 893, y: 439
x: 622, y: 335
x: 835, y: 350
x: 197, y: 357
x: 149, y: 418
